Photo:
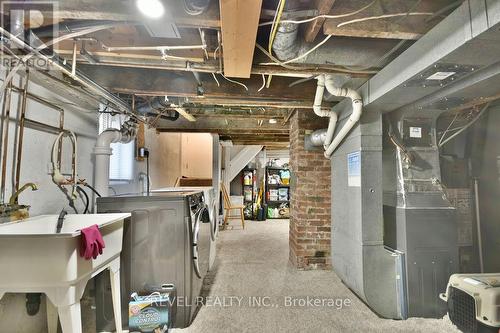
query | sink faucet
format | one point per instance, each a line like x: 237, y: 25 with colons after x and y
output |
x: 13, y: 198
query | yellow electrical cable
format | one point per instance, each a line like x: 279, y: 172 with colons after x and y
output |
x: 274, y: 30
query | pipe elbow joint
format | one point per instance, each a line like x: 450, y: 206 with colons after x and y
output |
x: 109, y: 136
x: 321, y: 80
x: 357, y: 109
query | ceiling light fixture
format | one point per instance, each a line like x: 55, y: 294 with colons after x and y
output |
x: 272, y: 121
x: 151, y: 8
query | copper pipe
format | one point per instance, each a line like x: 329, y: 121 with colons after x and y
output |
x: 6, y: 121
x: 61, y: 128
x: 73, y: 62
x: 43, y: 101
x: 21, y: 132
x: 38, y: 126
x: 219, y: 41
x: 38, y: 99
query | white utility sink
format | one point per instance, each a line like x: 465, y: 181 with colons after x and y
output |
x: 34, y: 258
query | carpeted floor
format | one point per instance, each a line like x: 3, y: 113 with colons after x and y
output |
x: 253, y: 267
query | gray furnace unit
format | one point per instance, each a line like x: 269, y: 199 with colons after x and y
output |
x: 419, y: 220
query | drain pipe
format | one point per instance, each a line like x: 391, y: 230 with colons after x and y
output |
x: 357, y: 109
x: 323, y: 138
x: 103, y: 151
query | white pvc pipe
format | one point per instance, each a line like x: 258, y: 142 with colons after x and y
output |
x: 102, y: 152
x: 331, y: 129
x: 357, y: 109
x: 318, y: 99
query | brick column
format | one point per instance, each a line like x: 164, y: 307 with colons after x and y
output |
x: 310, y: 207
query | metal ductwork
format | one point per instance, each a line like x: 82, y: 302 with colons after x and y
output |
x: 341, y: 51
x: 158, y: 107
x: 196, y: 7
x: 286, y: 45
x: 315, y: 139
x: 361, y: 255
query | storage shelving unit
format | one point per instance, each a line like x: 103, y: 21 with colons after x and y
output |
x: 249, y: 191
x: 277, y: 194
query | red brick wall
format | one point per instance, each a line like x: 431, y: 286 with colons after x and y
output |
x: 310, y: 195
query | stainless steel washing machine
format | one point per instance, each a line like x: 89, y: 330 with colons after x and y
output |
x: 212, y: 200
x: 166, y: 240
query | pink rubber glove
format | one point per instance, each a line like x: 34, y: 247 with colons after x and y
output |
x: 91, y: 242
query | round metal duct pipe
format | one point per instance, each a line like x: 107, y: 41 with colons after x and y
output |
x: 316, y: 138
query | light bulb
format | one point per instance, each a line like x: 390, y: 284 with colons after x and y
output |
x: 151, y: 8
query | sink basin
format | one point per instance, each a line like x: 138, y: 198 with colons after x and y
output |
x: 45, y: 225
x: 33, y: 254
x: 36, y: 259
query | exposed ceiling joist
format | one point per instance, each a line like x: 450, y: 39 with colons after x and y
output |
x: 182, y: 84
x: 266, y: 143
x: 281, y: 132
x: 400, y: 27
x: 120, y: 11
x: 208, y: 66
x: 238, y: 114
x: 100, y: 44
x: 239, y: 23
x: 312, y: 28
x: 237, y: 126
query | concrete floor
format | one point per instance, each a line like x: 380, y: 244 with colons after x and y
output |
x: 254, y: 263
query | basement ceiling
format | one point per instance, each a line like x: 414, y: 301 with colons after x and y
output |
x: 215, y: 66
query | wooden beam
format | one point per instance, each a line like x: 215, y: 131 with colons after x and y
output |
x: 140, y: 141
x: 221, y: 126
x: 209, y: 111
x: 235, y: 116
x: 282, y: 144
x: 183, y: 84
x: 183, y: 112
x: 129, y: 36
x: 275, y: 138
x: 255, y: 131
x: 312, y: 28
x: 239, y: 23
x: 126, y: 11
x: 204, y: 66
x: 403, y: 27
x: 288, y: 116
